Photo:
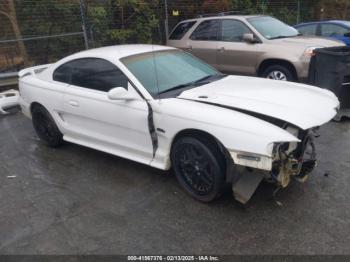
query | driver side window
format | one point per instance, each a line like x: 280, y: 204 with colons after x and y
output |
x: 93, y: 73
x: 233, y: 31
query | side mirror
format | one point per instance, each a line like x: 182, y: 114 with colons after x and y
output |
x: 249, y: 38
x: 120, y: 93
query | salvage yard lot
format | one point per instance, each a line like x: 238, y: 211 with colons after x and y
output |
x: 74, y: 200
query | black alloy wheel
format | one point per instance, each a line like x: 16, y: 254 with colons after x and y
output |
x: 198, y: 168
x: 45, y: 127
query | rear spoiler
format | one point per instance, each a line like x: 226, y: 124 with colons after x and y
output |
x: 32, y: 70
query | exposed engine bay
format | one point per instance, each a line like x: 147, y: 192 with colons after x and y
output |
x: 294, y: 160
x: 291, y: 160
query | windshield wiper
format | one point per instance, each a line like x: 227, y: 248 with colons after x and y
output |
x: 176, y: 87
x: 279, y: 37
x: 284, y: 36
x: 193, y: 83
x: 203, y: 79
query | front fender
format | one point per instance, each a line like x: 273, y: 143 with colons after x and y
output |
x: 236, y: 131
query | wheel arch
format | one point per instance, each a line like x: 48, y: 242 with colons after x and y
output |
x: 200, y: 134
x: 275, y: 61
x: 33, y: 105
x: 53, y: 116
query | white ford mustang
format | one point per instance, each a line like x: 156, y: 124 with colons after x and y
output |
x: 162, y: 107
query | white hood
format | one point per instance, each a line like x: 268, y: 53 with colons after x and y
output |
x: 302, y: 105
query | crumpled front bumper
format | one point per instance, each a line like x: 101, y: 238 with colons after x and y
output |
x: 290, y: 161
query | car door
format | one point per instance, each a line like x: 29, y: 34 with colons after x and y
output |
x: 234, y: 55
x: 203, y: 41
x: 335, y: 31
x: 91, y: 118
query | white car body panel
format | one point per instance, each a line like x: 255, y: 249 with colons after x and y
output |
x: 174, y: 115
x: 122, y: 128
x: 295, y: 103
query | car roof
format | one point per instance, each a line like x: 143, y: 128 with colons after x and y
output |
x: 340, y: 22
x: 119, y: 51
x: 223, y: 17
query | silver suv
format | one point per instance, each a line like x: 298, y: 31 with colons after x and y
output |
x: 249, y: 45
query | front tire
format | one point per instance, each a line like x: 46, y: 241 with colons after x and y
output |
x: 199, y: 168
x: 278, y: 72
x: 45, y: 127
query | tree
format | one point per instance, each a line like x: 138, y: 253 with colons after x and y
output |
x: 333, y: 9
x: 8, y: 10
x: 41, y: 18
x: 215, y: 6
x: 132, y: 21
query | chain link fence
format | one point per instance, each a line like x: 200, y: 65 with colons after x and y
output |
x: 36, y: 32
x: 42, y: 31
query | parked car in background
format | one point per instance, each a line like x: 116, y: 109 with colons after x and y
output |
x: 163, y: 107
x: 336, y: 29
x: 249, y: 45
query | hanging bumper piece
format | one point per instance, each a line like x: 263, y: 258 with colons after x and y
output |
x: 8, y: 99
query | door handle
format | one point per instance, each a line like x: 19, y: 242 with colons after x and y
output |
x: 221, y: 49
x: 73, y: 103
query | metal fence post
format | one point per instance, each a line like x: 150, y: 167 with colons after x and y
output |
x: 166, y: 22
x: 298, y: 14
x: 83, y: 20
x: 263, y: 6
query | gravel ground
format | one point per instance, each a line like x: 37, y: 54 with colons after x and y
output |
x: 74, y: 200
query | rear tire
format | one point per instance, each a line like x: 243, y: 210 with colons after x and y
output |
x: 199, y: 168
x: 45, y: 127
x: 278, y: 72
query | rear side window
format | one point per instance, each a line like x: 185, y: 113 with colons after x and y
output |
x: 181, y: 30
x: 206, y: 31
x: 63, y: 72
x: 92, y: 73
x: 97, y: 74
x: 308, y: 29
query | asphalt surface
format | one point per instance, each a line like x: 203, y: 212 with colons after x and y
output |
x: 74, y: 200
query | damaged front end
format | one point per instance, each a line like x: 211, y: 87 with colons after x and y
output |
x: 294, y: 160
x: 291, y: 160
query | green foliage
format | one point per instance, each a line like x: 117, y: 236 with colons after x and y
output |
x: 49, y: 17
x: 134, y: 21
x: 286, y: 15
x: 244, y: 5
x: 120, y: 36
x: 99, y: 24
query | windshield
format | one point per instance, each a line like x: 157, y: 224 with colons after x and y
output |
x: 164, y: 71
x: 272, y: 28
